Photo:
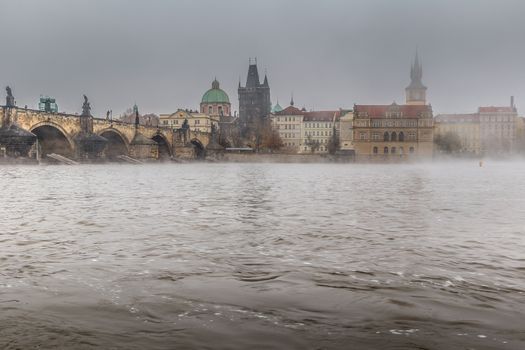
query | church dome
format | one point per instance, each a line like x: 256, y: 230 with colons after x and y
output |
x: 277, y: 108
x: 215, y: 94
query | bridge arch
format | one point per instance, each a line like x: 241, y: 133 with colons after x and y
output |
x: 118, y: 144
x: 200, y: 151
x: 52, y: 138
x: 164, y: 146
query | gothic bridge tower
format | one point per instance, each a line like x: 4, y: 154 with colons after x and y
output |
x: 254, y: 100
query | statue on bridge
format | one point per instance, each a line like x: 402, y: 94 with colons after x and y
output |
x: 185, y: 131
x: 86, y: 107
x: 10, y: 100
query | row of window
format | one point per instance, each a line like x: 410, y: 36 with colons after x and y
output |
x: 318, y: 133
x: 389, y: 137
x: 394, y: 123
x: 393, y: 150
x: 216, y: 110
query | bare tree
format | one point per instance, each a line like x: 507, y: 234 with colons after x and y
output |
x: 313, y: 144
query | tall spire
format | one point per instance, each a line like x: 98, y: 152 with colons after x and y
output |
x: 416, y: 70
x: 291, y: 101
x: 416, y: 91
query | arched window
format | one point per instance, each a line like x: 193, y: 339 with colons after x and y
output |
x: 401, y: 136
x: 210, y: 110
x: 375, y: 150
x: 393, y: 150
x: 411, y: 149
x: 220, y: 110
x: 393, y: 137
x: 401, y: 150
x: 386, y: 137
x: 385, y: 150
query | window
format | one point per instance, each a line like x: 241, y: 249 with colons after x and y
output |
x: 386, y: 137
x: 220, y: 109
x: 411, y: 150
x: 385, y: 150
x: 393, y: 150
x: 375, y: 150
x: 393, y: 137
x: 362, y: 136
x: 210, y: 110
x: 401, y: 137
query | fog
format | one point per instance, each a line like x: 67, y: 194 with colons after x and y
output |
x: 163, y: 55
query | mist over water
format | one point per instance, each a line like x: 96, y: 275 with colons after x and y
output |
x: 237, y: 256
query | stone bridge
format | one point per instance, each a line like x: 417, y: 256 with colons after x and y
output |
x: 58, y: 133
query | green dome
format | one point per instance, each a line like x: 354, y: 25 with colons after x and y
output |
x: 215, y: 94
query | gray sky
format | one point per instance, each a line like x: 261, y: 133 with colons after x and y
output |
x: 164, y: 54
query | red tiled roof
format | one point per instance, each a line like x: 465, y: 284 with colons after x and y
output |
x: 379, y: 111
x: 494, y: 109
x: 290, y: 110
x: 321, y: 115
x: 457, y: 118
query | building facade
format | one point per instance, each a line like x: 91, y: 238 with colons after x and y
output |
x: 254, y: 102
x: 393, y: 131
x: 200, y: 122
x: 498, y: 128
x: 465, y: 126
x: 305, y: 132
x: 492, y: 130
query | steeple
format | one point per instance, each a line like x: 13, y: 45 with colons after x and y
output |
x: 291, y: 100
x: 265, y: 83
x: 416, y: 91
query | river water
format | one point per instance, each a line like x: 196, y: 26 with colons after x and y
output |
x: 263, y: 256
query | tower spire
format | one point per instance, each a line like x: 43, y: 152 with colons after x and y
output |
x: 291, y: 101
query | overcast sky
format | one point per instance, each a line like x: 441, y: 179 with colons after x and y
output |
x: 164, y: 54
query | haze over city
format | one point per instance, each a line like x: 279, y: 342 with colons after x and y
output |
x: 163, y: 55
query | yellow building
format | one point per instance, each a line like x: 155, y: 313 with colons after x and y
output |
x: 393, y: 131
x: 196, y: 121
x: 318, y: 131
x: 305, y: 132
x: 465, y: 126
x: 288, y: 123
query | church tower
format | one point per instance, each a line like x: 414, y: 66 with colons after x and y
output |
x: 416, y: 92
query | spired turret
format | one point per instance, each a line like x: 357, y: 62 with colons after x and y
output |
x: 416, y: 92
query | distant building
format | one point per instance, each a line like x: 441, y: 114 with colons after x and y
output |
x: 393, y: 131
x: 200, y: 122
x: 498, y: 128
x: 254, y: 102
x: 492, y: 130
x: 289, y: 124
x: 146, y: 119
x: 465, y: 126
x: 305, y: 132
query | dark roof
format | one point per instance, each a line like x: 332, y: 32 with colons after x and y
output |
x: 380, y: 111
x: 321, y: 116
x: 290, y: 110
